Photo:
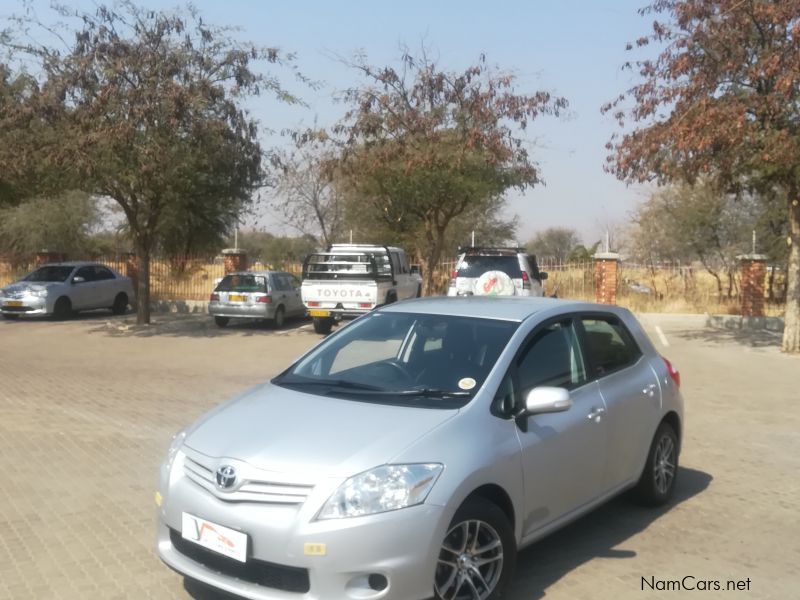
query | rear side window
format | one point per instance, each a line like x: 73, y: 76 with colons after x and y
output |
x: 610, y: 345
x: 102, y: 273
x: 475, y: 266
x: 242, y: 283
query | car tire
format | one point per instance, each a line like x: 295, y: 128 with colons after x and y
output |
x: 10, y: 316
x: 63, y: 308
x: 478, y: 522
x: 323, y: 325
x: 222, y: 321
x: 657, y: 483
x: 279, y: 319
x: 120, y: 306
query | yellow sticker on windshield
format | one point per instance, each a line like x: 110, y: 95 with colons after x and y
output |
x: 467, y: 383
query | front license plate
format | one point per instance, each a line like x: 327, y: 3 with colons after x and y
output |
x: 223, y: 540
x: 319, y: 313
x: 237, y: 298
x: 13, y: 303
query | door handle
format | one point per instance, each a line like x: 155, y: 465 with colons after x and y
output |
x: 649, y: 390
x: 596, y: 414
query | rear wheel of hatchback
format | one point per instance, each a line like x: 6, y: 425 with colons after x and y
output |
x: 657, y: 482
x: 478, y: 554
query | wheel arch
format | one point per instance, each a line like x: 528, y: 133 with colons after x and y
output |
x: 674, y: 421
x: 498, y: 496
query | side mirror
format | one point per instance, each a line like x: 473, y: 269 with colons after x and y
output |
x: 547, y: 400
x: 542, y: 275
x: 78, y: 279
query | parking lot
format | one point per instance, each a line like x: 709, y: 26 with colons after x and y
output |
x: 88, y: 406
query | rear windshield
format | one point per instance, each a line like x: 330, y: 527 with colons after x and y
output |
x: 475, y: 266
x: 50, y: 274
x: 354, y: 265
x: 242, y: 283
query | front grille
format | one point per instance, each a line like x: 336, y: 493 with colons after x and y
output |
x: 250, y: 489
x: 19, y: 309
x: 279, y: 577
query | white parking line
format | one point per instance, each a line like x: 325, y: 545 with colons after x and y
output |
x: 662, y: 337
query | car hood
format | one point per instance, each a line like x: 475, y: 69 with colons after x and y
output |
x: 278, y: 429
x: 26, y: 286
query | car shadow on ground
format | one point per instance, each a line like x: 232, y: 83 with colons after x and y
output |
x: 754, y: 338
x: 595, y: 535
x: 195, y: 325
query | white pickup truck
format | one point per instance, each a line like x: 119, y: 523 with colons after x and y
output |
x: 351, y: 279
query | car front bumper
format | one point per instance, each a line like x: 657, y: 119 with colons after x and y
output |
x: 27, y: 305
x: 402, y: 546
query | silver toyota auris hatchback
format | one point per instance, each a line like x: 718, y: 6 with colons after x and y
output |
x: 412, y: 453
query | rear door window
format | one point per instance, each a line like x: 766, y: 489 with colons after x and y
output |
x: 610, y: 345
x: 475, y: 266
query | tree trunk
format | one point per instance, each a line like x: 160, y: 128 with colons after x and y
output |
x: 432, y: 256
x: 791, y: 331
x: 143, y: 287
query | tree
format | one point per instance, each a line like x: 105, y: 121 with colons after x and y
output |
x: 421, y: 145
x: 61, y: 223
x: 721, y: 100
x: 554, y: 242
x: 686, y: 223
x: 306, y: 194
x: 148, y: 107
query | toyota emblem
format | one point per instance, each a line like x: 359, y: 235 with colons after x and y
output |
x: 226, y: 477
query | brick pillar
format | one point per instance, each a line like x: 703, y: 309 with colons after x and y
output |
x: 235, y: 260
x: 605, y: 277
x: 754, y: 273
x: 48, y: 256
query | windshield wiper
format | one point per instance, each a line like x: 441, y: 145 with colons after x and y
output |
x: 343, y: 383
x: 421, y: 392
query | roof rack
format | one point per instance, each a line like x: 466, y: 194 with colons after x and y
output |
x: 492, y: 248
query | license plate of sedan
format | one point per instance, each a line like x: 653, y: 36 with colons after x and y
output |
x: 13, y: 303
x: 319, y: 313
x: 223, y: 540
x: 237, y: 298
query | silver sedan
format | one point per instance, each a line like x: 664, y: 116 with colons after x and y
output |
x: 64, y: 288
x: 413, y: 452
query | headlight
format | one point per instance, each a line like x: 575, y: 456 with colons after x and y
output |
x: 381, y: 489
x: 38, y: 293
x: 177, y: 442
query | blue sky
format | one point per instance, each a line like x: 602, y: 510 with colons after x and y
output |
x: 573, y: 48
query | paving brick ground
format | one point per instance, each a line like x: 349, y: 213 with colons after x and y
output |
x: 87, y: 408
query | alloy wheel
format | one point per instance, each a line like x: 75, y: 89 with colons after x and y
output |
x: 664, y: 464
x: 470, y: 562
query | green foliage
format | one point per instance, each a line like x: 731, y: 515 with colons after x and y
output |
x: 276, y: 250
x: 61, y: 224
x: 423, y: 146
x: 556, y: 243
x: 147, y: 108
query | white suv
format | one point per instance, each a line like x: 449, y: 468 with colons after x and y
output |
x: 496, y: 272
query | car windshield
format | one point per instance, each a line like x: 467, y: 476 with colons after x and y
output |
x: 433, y: 361
x: 242, y: 283
x: 49, y: 274
x: 475, y: 266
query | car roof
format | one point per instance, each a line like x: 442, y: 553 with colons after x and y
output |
x: 262, y: 273
x: 508, y: 308
x: 74, y: 264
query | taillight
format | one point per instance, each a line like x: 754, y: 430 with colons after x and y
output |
x: 526, y: 283
x: 312, y: 303
x: 214, y: 298
x: 673, y: 372
x: 365, y: 305
x: 524, y: 276
x: 453, y: 274
x: 264, y: 299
